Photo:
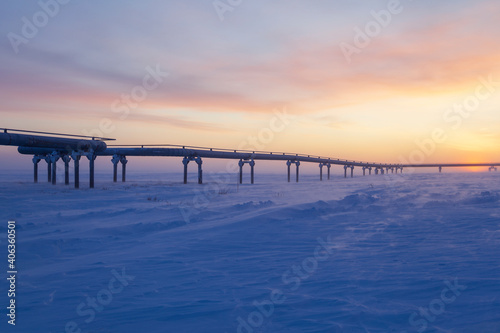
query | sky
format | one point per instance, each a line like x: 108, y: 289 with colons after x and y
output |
x: 378, y: 81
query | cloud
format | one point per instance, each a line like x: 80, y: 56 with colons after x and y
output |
x: 252, y: 68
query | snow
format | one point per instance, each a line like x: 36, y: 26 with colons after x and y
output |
x: 411, y: 253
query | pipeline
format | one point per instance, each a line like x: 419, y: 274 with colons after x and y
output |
x: 54, y: 143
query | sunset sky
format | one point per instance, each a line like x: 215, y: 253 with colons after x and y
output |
x: 412, y: 68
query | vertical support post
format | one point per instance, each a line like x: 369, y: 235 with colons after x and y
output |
x: 440, y: 169
x: 123, y: 161
x: 252, y: 165
x: 36, y: 160
x: 91, y: 168
x: 66, y: 160
x: 345, y: 171
x: 370, y: 171
x: 76, y: 158
x: 115, y: 160
x: 49, y: 169
x: 200, y: 171
x: 352, y: 171
x: 185, y: 161
x: 364, y: 171
x: 240, y: 164
x: 297, y: 174
x: 329, y: 166
x: 321, y: 171
x: 35, y: 171
x: 54, y: 173
x: 54, y: 157
x: 91, y: 157
x: 288, y: 163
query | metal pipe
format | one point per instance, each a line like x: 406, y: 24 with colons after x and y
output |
x: 66, y: 144
x: 206, y: 153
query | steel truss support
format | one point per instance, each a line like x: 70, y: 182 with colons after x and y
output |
x: 198, y: 161
x: 345, y: 170
x: 321, y: 165
x: 297, y: 164
x: 241, y: 163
